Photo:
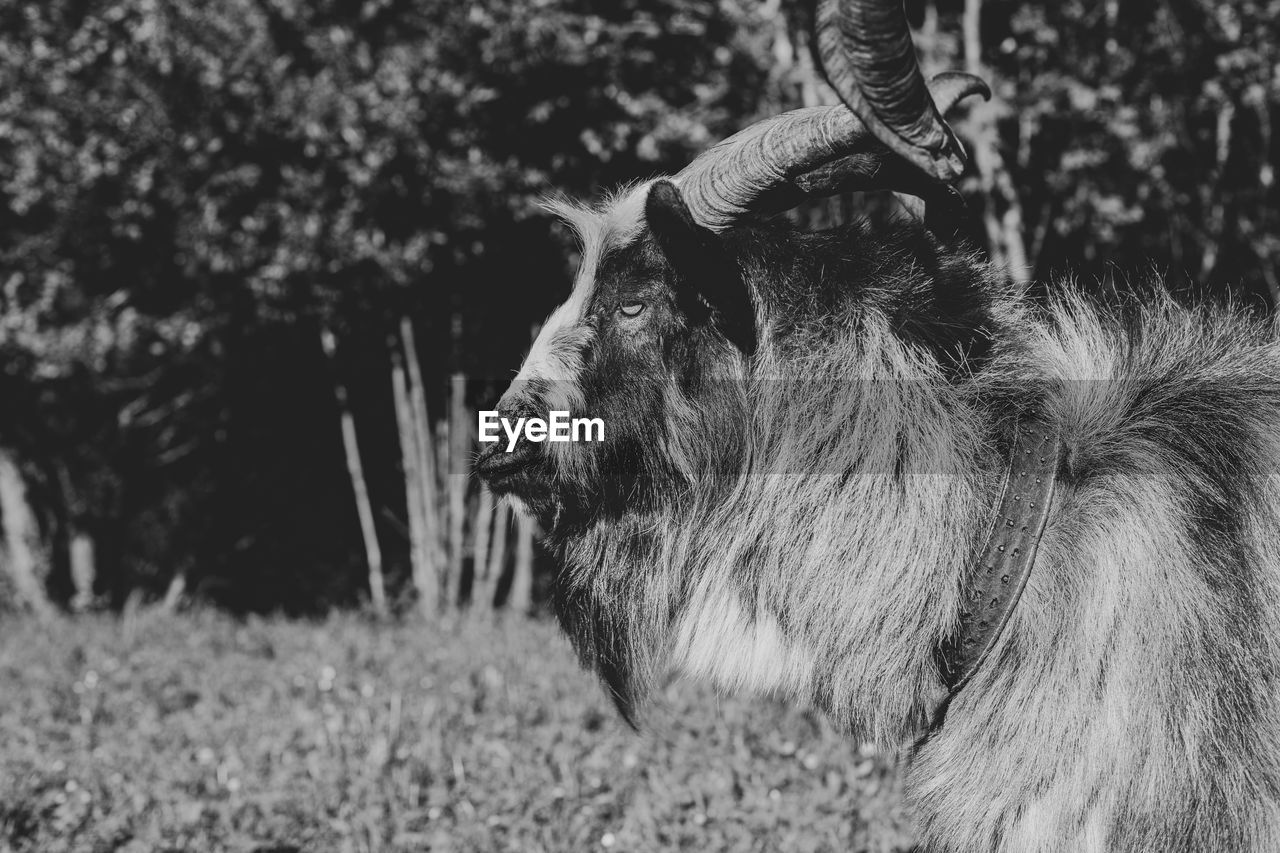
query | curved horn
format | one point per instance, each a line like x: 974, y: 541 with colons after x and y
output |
x: 864, y: 49
x: 776, y: 163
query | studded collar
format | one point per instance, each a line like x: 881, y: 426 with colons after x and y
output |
x: 999, y: 574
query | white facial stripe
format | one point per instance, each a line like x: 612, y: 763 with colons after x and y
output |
x: 552, y: 356
x: 556, y: 355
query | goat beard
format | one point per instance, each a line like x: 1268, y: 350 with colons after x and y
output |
x: 616, y: 613
x: 623, y: 540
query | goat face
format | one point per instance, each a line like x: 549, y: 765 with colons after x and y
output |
x: 657, y: 320
x: 661, y: 314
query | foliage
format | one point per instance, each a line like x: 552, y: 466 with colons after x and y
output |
x: 199, y: 733
x: 186, y: 186
x: 191, y: 190
x: 164, y: 160
x: 1144, y: 135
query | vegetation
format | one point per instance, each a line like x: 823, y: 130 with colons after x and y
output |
x: 197, y: 732
x: 196, y: 196
x: 260, y: 260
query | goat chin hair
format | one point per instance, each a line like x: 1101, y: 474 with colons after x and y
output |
x: 1133, y: 702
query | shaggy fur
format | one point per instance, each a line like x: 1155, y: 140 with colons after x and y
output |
x: 801, y: 522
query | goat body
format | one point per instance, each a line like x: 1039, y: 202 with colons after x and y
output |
x: 799, y: 517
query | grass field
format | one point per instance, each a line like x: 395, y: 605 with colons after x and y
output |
x: 199, y: 732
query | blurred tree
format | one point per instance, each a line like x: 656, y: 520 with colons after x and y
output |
x: 1141, y: 135
x: 191, y: 192
x: 24, y: 566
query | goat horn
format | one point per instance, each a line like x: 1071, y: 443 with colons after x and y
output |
x: 864, y: 50
x: 774, y: 164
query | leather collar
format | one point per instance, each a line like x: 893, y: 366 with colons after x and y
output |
x: 1000, y: 572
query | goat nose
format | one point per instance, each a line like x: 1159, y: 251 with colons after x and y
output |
x: 496, y: 463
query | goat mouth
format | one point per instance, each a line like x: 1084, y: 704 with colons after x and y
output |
x: 502, y: 471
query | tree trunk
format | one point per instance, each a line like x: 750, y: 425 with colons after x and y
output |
x: 81, y: 549
x: 459, y: 447
x: 1004, y: 229
x: 83, y: 570
x: 497, y: 555
x: 351, y: 447
x: 174, y: 594
x: 429, y: 482
x: 24, y: 553
x: 423, y: 578
x: 480, y: 541
x: 520, y: 600
x: 441, y: 448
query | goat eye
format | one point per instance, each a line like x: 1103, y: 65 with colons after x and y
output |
x: 631, y: 309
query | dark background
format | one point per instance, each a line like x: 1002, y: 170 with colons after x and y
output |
x: 191, y: 192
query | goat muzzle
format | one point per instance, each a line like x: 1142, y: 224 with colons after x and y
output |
x: 501, y: 469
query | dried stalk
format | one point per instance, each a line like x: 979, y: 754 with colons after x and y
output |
x: 497, y: 555
x: 480, y: 539
x: 428, y: 583
x: 23, y: 551
x: 355, y: 469
x: 423, y: 578
x: 458, y: 467
x: 520, y: 599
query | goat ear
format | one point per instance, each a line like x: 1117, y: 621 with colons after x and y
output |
x: 705, y: 270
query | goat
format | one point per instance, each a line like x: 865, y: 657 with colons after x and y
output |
x: 807, y: 438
